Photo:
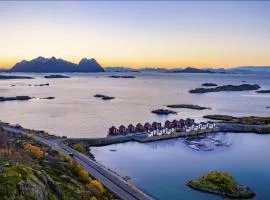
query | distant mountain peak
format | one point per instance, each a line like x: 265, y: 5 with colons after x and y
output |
x: 54, y: 65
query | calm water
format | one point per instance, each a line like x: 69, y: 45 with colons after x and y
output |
x: 162, y: 168
x: 76, y: 113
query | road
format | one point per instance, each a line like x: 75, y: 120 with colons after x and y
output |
x: 110, y: 180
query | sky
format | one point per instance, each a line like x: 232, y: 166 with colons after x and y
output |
x: 138, y: 33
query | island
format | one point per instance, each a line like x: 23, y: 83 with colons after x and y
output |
x: 226, y: 88
x: 17, y: 98
x: 209, y: 84
x: 3, y: 77
x: 116, y: 76
x: 48, y: 98
x: 163, y: 112
x: 263, y: 91
x: 188, y: 106
x: 221, y: 183
x: 103, y: 97
x: 56, y: 76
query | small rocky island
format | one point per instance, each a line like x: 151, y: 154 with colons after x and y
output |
x: 5, y: 77
x: 17, y: 98
x: 56, y: 76
x: 116, y: 76
x: 49, y: 98
x: 226, y: 88
x: 263, y: 91
x: 163, y: 112
x: 188, y: 106
x: 209, y: 84
x: 103, y: 97
x: 223, y: 184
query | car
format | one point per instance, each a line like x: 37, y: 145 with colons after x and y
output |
x: 71, y: 154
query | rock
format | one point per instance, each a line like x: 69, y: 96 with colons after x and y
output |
x: 209, y: 84
x: 163, y: 112
x: 223, y: 184
x: 103, y: 97
x: 48, y: 98
x: 114, y: 76
x: 188, y: 106
x: 56, y: 76
x: 17, y: 98
x: 263, y: 91
x: 243, y: 87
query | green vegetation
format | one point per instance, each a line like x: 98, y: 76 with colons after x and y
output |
x: 33, y: 171
x: 243, y: 87
x: 251, y: 120
x: 221, y: 183
x: 78, y: 147
x: 188, y: 106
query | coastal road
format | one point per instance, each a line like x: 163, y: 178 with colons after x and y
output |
x: 110, y: 180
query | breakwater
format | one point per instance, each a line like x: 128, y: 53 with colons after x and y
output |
x: 143, y: 137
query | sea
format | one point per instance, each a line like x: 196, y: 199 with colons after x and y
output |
x: 162, y: 168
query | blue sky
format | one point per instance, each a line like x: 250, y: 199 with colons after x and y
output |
x: 137, y: 33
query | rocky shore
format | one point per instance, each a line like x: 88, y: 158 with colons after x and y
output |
x: 226, y: 88
x: 223, y: 184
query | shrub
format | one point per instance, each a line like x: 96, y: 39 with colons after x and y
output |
x: 37, y: 151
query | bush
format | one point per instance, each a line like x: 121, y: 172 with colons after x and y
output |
x: 78, y: 147
x: 37, y: 151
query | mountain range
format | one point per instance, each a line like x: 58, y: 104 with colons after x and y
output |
x: 234, y: 70
x: 54, y: 65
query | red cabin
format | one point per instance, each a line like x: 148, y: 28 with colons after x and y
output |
x: 139, y: 128
x: 113, y: 131
x: 168, y: 124
x: 131, y: 128
x: 122, y: 129
x: 147, y: 126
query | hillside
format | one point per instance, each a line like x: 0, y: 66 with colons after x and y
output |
x: 30, y: 170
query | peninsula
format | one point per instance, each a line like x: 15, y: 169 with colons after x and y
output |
x: 227, y: 88
x: 221, y: 183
